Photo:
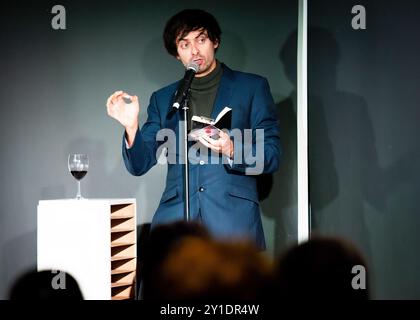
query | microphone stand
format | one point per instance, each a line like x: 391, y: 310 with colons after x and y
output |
x: 186, y: 165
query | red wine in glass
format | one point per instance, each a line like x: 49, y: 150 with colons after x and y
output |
x: 78, y: 164
x: 78, y: 175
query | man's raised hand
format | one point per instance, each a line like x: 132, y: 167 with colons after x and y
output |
x: 125, y: 113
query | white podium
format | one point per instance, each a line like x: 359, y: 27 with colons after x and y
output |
x: 94, y: 240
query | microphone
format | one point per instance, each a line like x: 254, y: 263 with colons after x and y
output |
x: 185, y: 84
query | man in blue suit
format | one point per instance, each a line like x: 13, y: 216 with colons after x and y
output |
x: 223, y: 191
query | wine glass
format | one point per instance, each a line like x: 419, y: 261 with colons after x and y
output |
x: 78, y: 167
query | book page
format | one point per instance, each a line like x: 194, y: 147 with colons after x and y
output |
x: 202, y: 119
x: 221, y: 114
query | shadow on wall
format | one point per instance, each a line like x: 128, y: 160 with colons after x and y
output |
x: 341, y: 144
x: 281, y: 206
x: 342, y: 156
x: 342, y: 148
x: 344, y: 170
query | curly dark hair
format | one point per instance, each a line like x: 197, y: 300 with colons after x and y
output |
x: 186, y: 21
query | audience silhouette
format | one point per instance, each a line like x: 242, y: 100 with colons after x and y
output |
x: 181, y: 261
x: 43, y: 285
x: 202, y: 269
x: 321, y: 268
x: 159, y: 244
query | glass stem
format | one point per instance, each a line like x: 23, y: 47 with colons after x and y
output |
x: 79, y: 194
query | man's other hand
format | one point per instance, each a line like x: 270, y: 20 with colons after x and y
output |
x: 222, y: 145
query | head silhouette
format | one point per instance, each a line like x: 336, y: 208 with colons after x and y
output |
x: 43, y: 285
x: 162, y: 239
x: 202, y: 269
x: 320, y: 268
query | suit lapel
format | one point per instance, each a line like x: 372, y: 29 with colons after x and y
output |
x: 224, y: 93
x: 172, y: 119
x: 172, y: 115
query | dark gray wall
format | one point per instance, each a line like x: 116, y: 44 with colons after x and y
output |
x: 54, y: 86
x: 364, y: 145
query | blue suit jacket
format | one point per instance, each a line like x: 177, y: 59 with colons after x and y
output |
x: 223, y: 195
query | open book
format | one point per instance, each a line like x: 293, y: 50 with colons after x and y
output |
x: 206, y: 126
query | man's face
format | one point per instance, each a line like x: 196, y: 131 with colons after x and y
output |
x: 196, y: 46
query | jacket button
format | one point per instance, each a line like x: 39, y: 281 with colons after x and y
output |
x: 201, y: 189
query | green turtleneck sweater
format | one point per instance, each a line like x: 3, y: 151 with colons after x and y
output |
x: 203, y: 92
